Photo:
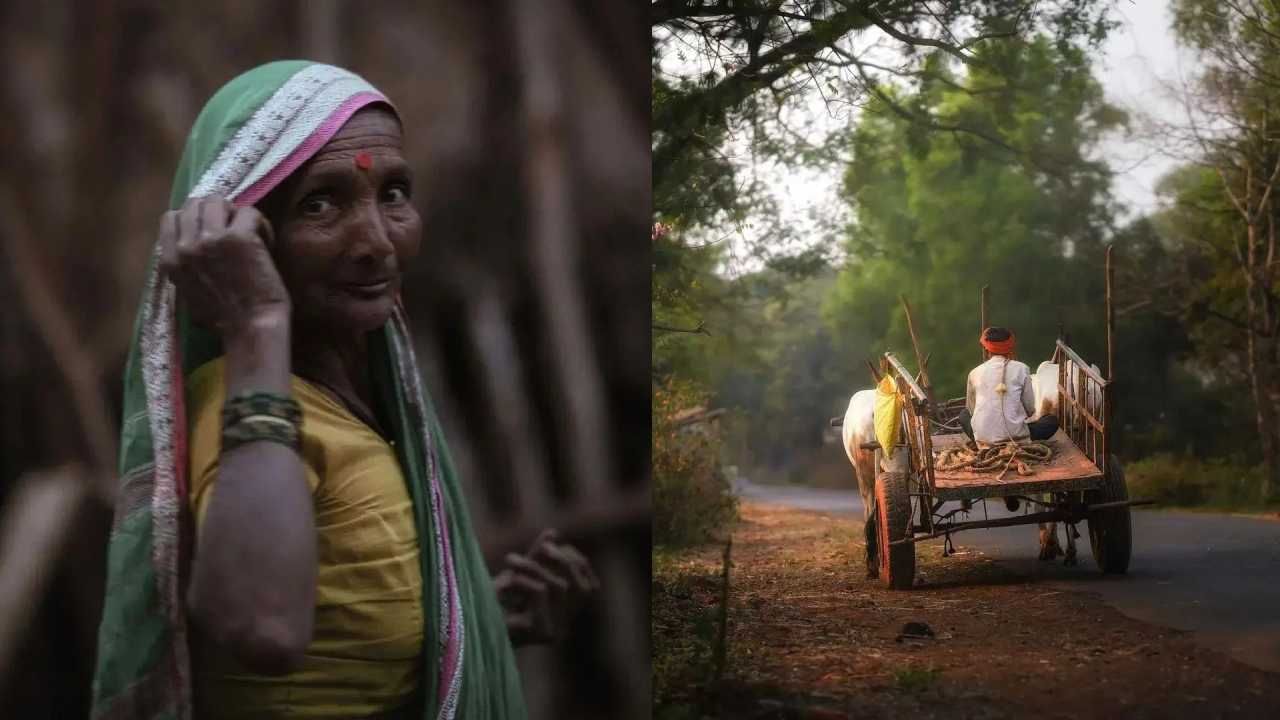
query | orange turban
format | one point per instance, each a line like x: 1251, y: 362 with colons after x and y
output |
x: 999, y: 347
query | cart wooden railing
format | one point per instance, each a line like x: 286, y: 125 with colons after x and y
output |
x: 1083, y: 400
x: 915, y: 424
x: 946, y: 416
x: 1085, y: 395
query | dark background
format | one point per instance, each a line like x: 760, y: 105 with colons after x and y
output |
x: 527, y: 123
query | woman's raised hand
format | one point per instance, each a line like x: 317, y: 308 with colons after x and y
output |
x: 541, y: 590
x: 218, y: 256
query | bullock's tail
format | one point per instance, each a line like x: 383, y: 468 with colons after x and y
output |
x: 1045, y: 384
x: 1048, y: 406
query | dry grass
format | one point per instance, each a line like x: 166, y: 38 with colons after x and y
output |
x: 810, y: 637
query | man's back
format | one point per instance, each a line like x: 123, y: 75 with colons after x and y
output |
x: 999, y: 416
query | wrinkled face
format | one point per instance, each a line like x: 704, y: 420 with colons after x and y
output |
x: 345, y: 227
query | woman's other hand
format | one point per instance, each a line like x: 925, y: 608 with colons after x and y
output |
x: 218, y: 256
x: 541, y: 590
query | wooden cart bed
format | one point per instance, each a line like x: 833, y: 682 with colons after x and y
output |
x: 1069, y: 469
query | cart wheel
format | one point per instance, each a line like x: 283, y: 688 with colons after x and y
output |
x: 893, y: 513
x: 1110, y: 530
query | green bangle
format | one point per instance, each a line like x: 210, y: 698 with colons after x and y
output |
x: 249, y: 417
x: 261, y: 403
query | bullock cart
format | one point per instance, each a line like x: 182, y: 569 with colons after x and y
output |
x: 1083, y: 481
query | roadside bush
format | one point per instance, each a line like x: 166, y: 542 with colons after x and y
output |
x: 691, y: 494
x: 684, y: 606
x: 1186, y: 481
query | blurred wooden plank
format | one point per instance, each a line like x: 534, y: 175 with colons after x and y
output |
x: 625, y: 601
x: 604, y: 517
x: 321, y: 21
x: 510, y: 404
x: 542, y: 31
x: 89, y: 417
x: 35, y: 524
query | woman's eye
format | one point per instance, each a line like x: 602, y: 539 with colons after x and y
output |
x: 316, y: 205
x: 396, y: 194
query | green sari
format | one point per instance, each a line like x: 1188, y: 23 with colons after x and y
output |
x: 252, y: 134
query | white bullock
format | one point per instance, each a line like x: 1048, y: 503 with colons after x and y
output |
x: 1045, y: 384
x: 857, y: 429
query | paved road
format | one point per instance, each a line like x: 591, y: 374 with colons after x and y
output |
x: 1215, y: 575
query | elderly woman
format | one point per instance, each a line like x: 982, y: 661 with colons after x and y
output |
x: 291, y: 540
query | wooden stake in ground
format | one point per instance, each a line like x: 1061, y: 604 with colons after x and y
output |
x: 722, y: 635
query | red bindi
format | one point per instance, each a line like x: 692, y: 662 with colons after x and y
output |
x: 364, y: 160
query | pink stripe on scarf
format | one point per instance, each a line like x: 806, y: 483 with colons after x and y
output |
x: 449, y: 667
x: 307, y: 148
x: 179, y: 424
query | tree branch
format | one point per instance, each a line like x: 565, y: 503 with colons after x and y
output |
x: 701, y: 329
x: 693, y: 110
x: 957, y: 51
x: 1234, y: 322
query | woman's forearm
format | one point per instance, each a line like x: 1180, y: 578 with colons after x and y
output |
x: 254, y: 572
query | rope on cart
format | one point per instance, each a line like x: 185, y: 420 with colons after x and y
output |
x: 1020, y: 455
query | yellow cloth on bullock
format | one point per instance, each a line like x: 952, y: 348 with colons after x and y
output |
x: 887, y: 415
x: 365, y: 654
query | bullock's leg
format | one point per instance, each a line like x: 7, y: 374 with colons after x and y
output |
x: 1049, y: 547
x: 864, y: 472
x: 872, y: 538
x: 1071, y: 545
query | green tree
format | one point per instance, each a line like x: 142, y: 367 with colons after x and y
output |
x: 752, y: 57
x: 746, y: 61
x: 1175, y: 393
x: 937, y: 216
x: 1235, y: 101
x: 779, y: 372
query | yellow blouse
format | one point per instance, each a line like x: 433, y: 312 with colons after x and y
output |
x: 365, y: 655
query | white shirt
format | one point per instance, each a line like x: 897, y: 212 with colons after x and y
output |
x: 997, y: 417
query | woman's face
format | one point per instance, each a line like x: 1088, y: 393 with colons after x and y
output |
x: 346, y: 227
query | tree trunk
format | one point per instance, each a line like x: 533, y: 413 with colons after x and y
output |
x: 1271, y: 344
x: 1268, y: 394
x: 1264, y: 413
x: 1271, y: 393
x: 1260, y: 367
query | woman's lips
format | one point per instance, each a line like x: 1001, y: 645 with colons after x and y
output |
x: 374, y: 289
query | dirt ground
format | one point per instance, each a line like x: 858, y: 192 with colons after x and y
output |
x: 809, y: 637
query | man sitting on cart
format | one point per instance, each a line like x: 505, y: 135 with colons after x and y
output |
x: 999, y: 397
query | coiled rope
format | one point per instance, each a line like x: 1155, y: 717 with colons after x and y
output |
x: 1019, y: 455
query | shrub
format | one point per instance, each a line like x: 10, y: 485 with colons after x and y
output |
x: 1186, y: 481
x: 691, y: 494
x: 915, y: 680
x: 684, y: 609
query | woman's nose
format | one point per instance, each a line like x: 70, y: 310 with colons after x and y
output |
x: 370, y: 229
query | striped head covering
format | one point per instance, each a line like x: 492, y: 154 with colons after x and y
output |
x: 254, y: 132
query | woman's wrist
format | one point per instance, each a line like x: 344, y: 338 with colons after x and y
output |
x: 259, y: 324
x: 258, y: 354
